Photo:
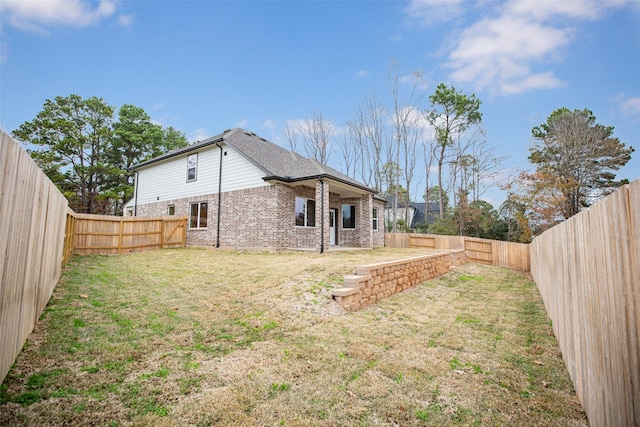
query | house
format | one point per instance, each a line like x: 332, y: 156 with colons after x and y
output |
x: 415, y: 214
x: 241, y: 191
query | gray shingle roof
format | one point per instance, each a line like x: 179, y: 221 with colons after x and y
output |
x: 275, y: 161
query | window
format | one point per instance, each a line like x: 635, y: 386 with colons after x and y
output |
x: 305, y: 212
x: 348, y: 216
x: 198, y: 218
x: 375, y: 218
x: 192, y: 167
x: 129, y: 212
x: 171, y: 210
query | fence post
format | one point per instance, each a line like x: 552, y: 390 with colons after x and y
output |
x: 162, y: 229
x: 120, y: 236
x: 184, y: 232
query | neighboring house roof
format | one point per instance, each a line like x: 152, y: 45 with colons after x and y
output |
x: 421, y: 211
x: 277, y: 162
x: 424, y: 211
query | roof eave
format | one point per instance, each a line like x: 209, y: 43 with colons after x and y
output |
x: 289, y: 179
x: 178, y: 152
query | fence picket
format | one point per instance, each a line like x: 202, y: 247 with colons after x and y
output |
x: 31, y: 246
x: 587, y: 270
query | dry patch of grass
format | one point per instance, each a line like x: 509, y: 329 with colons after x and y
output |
x: 207, y: 337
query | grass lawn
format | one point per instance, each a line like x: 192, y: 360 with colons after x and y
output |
x: 209, y: 337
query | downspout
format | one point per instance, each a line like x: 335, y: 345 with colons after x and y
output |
x: 135, y: 197
x: 219, y: 196
x: 321, y: 216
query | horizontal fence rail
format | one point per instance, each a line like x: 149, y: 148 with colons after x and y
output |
x: 109, y: 235
x: 493, y: 252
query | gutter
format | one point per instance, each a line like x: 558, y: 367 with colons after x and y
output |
x: 321, y: 216
x: 135, y: 197
x: 217, y: 143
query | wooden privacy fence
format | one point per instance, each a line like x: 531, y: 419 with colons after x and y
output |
x: 38, y: 235
x: 501, y: 254
x: 32, y: 227
x: 109, y: 235
x: 588, y: 272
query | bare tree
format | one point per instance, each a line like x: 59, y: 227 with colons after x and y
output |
x: 350, y: 153
x: 402, y: 114
x: 485, y: 166
x: 367, y: 130
x: 428, y: 148
x: 291, y: 132
x: 316, y: 133
x: 413, y: 134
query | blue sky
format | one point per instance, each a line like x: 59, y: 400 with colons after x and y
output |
x: 205, y: 66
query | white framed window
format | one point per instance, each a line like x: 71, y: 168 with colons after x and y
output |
x: 128, y: 212
x: 305, y: 213
x: 192, y: 167
x: 198, y: 215
x: 171, y: 209
x: 374, y: 216
x: 349, y: 216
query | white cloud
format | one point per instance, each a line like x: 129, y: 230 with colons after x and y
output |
x: 396, y: 38
x: 574, y: 9
x: 126, y: 20
x: 427, y: 12
x: 417, y: 79
x: 269, y: 124
x: 4, y: 47
x: 418, y: 120
x: 534, y: 81
x: 157, y: 105
x: 507, y: 50
x: 499, y: 54
x: 199, y: 134
x: 242, y: 123
x: 630, y: 107
x: 31, y: 15
x: 361, y: 74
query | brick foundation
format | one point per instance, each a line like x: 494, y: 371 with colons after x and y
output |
x: 263, y: 217
x: 371, y: 283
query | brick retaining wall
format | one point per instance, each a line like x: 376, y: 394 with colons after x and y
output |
x: 373, y: 282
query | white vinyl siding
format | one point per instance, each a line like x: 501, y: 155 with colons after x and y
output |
x: 165, y: 180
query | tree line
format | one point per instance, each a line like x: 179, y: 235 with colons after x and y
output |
x: 389, y: 136
x: 87, y: 149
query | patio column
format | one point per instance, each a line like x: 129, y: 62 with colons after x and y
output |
x: 366, y: 221
x: 322, y: 216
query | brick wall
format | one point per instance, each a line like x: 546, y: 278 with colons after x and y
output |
x: 373, y: 282
x: 378, y: 235
x: 264, y: 217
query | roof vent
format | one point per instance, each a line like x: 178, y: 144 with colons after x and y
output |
x: 262, y: 139
x: 227, y: 130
